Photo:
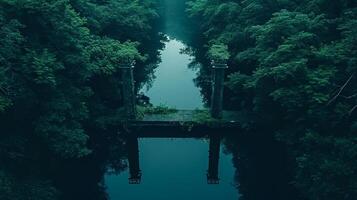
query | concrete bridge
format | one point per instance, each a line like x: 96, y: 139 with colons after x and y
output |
x: 213, y: 123
x: 185, y: 123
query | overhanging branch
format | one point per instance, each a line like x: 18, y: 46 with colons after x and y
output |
x: 352, y: 110
x: 341, y: 89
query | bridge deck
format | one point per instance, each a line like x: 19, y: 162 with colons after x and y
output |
x: 186, y: 123
x: 190, y: 116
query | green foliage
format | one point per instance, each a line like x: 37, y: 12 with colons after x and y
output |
x: 218, y: 52
x: 203, y: 116
x: 161, y: 109
x: 51, y: 53
x: 154, y: 110
x: 43, y: 67
x: 59, y: 75
x: 31, y: 189
x: 4, y: 103
x: 327, y: 176
x: 293, y: 63
x: 106, y: 55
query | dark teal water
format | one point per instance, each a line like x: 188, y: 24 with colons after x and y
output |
x: 173, y: 85
x: 174, y: 169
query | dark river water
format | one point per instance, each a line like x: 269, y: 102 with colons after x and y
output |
x: 173, y: 85
x: 174, y: 169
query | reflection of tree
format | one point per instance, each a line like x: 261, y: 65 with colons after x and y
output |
x: 144, y: 71
x: 84, y: 179
x: 204, y: 75
x: 27, y: 166
x: 261, y: 171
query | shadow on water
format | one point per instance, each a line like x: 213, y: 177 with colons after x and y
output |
x: 262, y: 169
x: 168, y: 168
x: 249, y: 167
x: 135, y: 172
x: 207, y: 168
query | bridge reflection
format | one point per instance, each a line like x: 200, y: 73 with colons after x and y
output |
x: 135, y: 172
x: 213, y: 161
x: 133, y: 158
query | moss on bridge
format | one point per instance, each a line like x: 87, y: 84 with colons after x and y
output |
x: 186, y: 120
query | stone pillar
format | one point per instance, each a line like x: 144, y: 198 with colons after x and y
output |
x: 133, y: 158
x: 218, y: 70
x: 128, y: 90
x: 213, y: 163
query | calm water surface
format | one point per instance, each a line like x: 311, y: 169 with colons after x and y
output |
x: 173, y: 85
x: 174, y: 169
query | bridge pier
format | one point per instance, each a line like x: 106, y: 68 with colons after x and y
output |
x: 128, y: 89
x: 218, y: 70
x: 135, y: 173
x: 213, y: 163
x: 133, y: 158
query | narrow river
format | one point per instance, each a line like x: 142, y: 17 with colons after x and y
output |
x: 173, y: 85
x: 175, y: 168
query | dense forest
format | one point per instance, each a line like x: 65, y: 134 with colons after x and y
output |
x: 293, y: 65
x: 292, y: 70
x: 58, y: 76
